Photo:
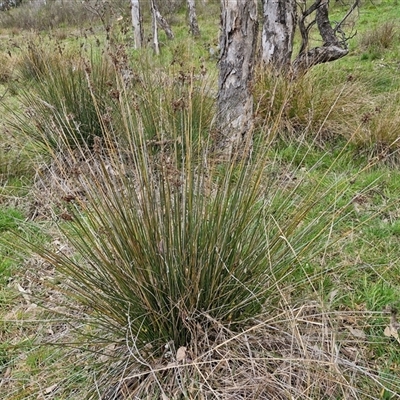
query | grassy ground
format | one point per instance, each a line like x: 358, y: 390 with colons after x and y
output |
x: 360, y: 273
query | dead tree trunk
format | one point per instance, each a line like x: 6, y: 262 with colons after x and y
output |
x: 332, y: 48
x: 154, y: 27
x: 279, y: 25
x: 163, y: 22
x: 136, y: 24
x: 280, y: 20
x: 194, y: 27
x: 235, y: 103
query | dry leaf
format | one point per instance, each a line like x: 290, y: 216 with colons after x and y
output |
x: 393, y: 329
x: 7, y: 373
x: 50, y: 389
x: 4, y: 378
x: 390, y: 331
x: 332, y: 295
x: 20, y: 288
x: 24, y: 293
x: 164, y: 396
x: 181, y: 354
x: 358, y: 333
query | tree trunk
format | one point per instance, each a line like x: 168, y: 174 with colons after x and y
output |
x: 163, y: 22
x: 194, y: 27
x: 154, y: 27
x: 136, y: 24
x: 332, y: 48
x: 279, y: 24
x: 238, y: 41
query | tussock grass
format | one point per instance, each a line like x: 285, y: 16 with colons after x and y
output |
x: 379, y: 130
x: 381, y: 37
x: 310, y: 104
x: 313, y: 108
x: 59, y: 92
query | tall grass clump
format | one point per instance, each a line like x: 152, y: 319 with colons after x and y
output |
x: 381, y: 37
x: 379, y: 130
x: 61, y: 89
x: 193, y: 277
x: 79, y: 92
x: 311, y: 105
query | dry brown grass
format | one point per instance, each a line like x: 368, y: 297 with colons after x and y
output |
x: 310, y: 104
x: 379, y: 129
x: 300, y: 353
x: 381, y: 37
x: 306, y: 351
x: 6, y: 69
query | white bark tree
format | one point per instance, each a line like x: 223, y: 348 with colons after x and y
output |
x: 280, y: 20
x: 194, y: 26
x: 162, y: 22
x: 154, y: 26
x: 279, y: 25
x: 136, y: 24
x: 238, y: 41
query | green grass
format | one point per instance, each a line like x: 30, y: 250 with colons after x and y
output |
x: 9, y: 219
x: 374, y: 50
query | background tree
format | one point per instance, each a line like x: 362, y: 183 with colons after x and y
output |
x: 334, y: 40
x: 136, y: 24
x: 279, y: 25
x: 194, y: 27
x: 154, y: 26
x: 161, y: 21
x: 238, y: 41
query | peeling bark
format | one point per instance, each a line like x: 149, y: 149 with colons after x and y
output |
x: 279, y: 24
x: 235, y: 103
x: 317, y: 55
